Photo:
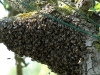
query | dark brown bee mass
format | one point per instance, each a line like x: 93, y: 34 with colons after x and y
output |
x: 47, y: 41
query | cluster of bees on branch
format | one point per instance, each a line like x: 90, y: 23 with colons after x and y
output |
x: 47, y: 41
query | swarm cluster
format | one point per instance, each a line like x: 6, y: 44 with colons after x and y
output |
x: 47, y: 41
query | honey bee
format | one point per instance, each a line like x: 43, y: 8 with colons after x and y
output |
x: 46, y: 41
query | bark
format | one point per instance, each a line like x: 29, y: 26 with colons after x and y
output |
x: 84, y: 5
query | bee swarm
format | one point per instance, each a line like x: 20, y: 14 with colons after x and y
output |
x: 47, y: 41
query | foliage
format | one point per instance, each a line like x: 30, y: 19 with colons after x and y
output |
x: 12, y: 71
x: 34, y: 68
x: 96, y: 8
x: 99, y: 32
x: 97, y: 45
x: 6, y: 6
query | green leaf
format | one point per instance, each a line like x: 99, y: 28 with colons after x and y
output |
x: 92, y: 9
x: 97, y: 45
x: 97, y: 7
x: 99, y: 32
